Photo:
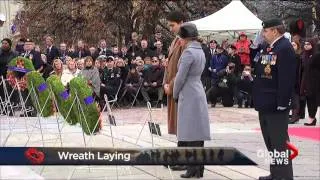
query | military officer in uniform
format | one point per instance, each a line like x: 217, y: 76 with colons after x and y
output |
x: 273, y: 86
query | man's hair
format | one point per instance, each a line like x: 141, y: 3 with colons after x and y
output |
x: 176, y: 16
x: 281, y: 29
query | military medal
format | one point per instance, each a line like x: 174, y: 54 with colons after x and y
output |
x: 274, y: 59
x: 267, y: 72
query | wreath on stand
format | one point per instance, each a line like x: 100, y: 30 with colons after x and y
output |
x: 16, y: 73
x: 64, y: 100
x: 91, y: 123
x: 40, y: 96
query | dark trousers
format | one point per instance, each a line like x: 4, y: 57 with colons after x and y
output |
x: 192, y: 144
x: 274, y: 128
x: 302, y: 107
x: 226, y: 94
x: 244, y: 96
x: 206, y: 82
x: 295, y: 106
x: 312, y: 106
x: 110, y: 91
x: 147, y: 91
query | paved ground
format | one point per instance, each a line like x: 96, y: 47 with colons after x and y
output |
x: 230, y: 127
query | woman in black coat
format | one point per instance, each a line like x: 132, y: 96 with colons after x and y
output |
x: 315, y: 74
x: 309, y: 80
x: 296, y: 94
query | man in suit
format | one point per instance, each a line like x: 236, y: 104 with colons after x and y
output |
x: 63, y: 52
x: 272, y: 90
x: 52, y: 52
x: 37, y: 62
x: 103, y: 50
x: 33, y: 55
x: 212, y: 46
x: 81, y: 52
x: 145, y: 51
x: 175, y: 20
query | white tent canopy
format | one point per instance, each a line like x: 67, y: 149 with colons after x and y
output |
x: 233, y: 17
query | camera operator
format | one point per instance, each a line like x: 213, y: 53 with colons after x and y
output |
x: 225, y: 86
x: 245, y: 87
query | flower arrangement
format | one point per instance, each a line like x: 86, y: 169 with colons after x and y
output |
x: 17, y: 70
x: 64, y: 100
x: 41, y: 92
x: 89, y: 124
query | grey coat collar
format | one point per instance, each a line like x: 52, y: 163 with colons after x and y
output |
x: 195, y: 44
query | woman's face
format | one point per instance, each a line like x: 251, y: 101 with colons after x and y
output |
x: 58, y: 65
x: 97, y: 64
x: 71, y: 65
x: 80, y: 65
x: 294, y: 45
x: 307, y: 46
x: 242, y: 38
x: 88, y: 63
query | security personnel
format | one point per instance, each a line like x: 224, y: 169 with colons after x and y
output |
x: 33, y: 55
x: 111, y: 79
x: 273, y: 86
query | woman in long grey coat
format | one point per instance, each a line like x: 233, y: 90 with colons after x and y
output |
x: 91, y: 74
x: 193, y: 126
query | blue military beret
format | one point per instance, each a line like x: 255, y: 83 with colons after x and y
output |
x: 188, y: 30
x: 271, y: 23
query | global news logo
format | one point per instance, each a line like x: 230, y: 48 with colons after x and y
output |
x: 275, y: 157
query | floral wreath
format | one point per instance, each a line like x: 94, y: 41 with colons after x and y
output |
x: 17, y: 70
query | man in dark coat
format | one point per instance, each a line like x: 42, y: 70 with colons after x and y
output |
x: 63, y: 52
x: 103, y: 50
x: 145, y: 51
x: 52, y: 52
x: 81, y: 51
x: 153, y: 82
x: 272, y: 91
x: 33, y: 55
x: 206, y: 74
x: 111, y: 79
x: 6, y: 55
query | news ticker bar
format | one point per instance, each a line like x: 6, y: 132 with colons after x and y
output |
x: 127, y: 156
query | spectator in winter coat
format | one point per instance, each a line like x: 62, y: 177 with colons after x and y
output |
x: 243, y: 45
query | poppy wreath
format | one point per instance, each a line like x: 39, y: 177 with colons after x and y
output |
x: 90, y: 124
x: 41, y: 92
x: 64, y: 100
x: 17, y: 69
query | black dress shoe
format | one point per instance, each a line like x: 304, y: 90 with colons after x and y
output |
x: 313, y: 123
x: 265, y: 177
x: 192, y: 172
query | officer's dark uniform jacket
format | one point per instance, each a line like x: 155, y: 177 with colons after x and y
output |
x: 275, y: 76
x: 111, y: 77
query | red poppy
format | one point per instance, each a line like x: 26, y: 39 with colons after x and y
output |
x: 269, y: 49
x: 35, y: 156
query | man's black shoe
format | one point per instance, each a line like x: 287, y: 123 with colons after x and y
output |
x: 265, y: 177
x: 177, y: 167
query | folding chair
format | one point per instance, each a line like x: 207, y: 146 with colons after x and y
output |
x: 114, y: 101
x: 137, y: 93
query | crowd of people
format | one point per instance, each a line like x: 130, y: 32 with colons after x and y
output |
x: 137, y: 69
